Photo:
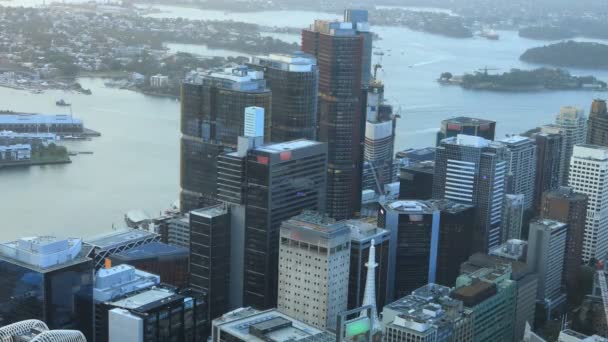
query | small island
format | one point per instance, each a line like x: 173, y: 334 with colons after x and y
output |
x: 524, y: 80
x: 569, y: 54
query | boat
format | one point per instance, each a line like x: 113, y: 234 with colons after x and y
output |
x: 489, y: 34
x: 62, y: 103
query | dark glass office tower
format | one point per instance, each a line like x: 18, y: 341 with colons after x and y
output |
x: 47, y: 279
x: 472, y: 170
x: 212, y: 109
x: 565, y: 205
x: 466, y: 125
x: 338, y: 49
x: 294, y: 81
x: 549, y: 146
x: 416, y: 181
x: 597, y: 131
x: 360, y: 21
x: 210, y: 256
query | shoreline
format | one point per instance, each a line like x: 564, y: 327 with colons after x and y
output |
x: 29, y: 163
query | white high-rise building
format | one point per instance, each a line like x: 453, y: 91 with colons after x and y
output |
x: 571, y: 123
x: 589, y: 176
x: 521, y: 168
x: 314, y: 261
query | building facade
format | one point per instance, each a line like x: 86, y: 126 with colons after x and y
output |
x: 416, y: 181
x: 597, y: 130
x: 468, y: 126
x: 338, y: 50
x: 472, y: 170
x: 548, y: 161
x: 521, y: 167
x: 588, y: 176
x: 294, y: 82
x: 212, y: 107
x: 512, y: 217
x: 314, y: 258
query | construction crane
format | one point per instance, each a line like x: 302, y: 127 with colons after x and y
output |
x: 601, y: 277
x: 486, y: 69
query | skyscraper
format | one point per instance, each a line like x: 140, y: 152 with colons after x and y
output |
x: 210, y: 256
x: 212, y: 109
x: 468, y: 126
x: 416, y: 181
x: 546, y: 253
x: 294, y: 81
x: 565, y: 205
x: 48, y: 279
x: 471, y: 170
x: 313, y: 269
x: 571, y: 123
x: 512, y: 217
x: 588, y: 176
x: 521, y: 168
x: 597, y: 131
x: 360, y: 23
x: 338, y: 49
x: 547, y: 165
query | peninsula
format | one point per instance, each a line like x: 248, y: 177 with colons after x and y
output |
x: 569, y: 54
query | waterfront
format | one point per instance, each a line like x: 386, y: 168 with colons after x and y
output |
x: 136, y: 161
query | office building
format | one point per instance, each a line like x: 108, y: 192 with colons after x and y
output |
x: 158, y: 314
x: 363, y: 235
x: 35, y: 330
x: 597, y: 130
x: 482, y: 128
x: 521, y: 167
x: 359, y: 19
x: 416, y: 181
x: 250, y: 325
x: 491, y: 295
x: 212, y: 107
x: 48, y: 279
x: 430, y: 239
x: 294, y: 81
x: 113, y: 283
x: 118, y: 241
x: 338, y: 49
x: 571, y: 123
x: 169, y: 262
x: 428, y: 314
x: 548, y: 161
x: 314, y: 258
x: 513, y: 253
x: 472, y: 170
x: 565, y: 205
x: 546, y: 253
x: 588, y: 176
x: 210, y: 256
x: 178, y: 231
x: 512, y: 217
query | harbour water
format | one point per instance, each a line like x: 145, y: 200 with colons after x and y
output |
x: 136, y: 161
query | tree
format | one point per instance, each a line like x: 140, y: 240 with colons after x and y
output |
x: 446, y: 76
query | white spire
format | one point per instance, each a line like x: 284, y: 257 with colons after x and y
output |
x: 369, y: 297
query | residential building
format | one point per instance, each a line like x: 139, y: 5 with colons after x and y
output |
x: 512, y: 217
x: 35, y: 330
x: 571, y: 123
x: 597, y: 130
x: 548, y: 161
x: 158, y: 314
x: 363, y: 235
x: 314, y: 258
x: 338, y: 49
x: 428, y: 314
x: 210, y: 256
x: 429, y: 240
x: 212, y: 107
x: 588, y: 176
x: 294, y: 82
x: 48, y: 279
x: 546, y: 253
x: 472, y: 170
x: 565, y: 205
x: 416, y: 181
x: 467, y: 126
x: 491, y: 295
x: 521, y: 167
x: 250, y: 325
x: 514, y: 254
x: 169, y: 262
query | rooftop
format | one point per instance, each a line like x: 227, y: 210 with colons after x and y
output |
x: 117, y: 281
x: 512, y: 249
x: 364, y: 230
x: 515, y: 139
x: 152, y: 250
x: 295, y: 62
x: 32, y: 119
x: 548, y: 224
x: 44, y: 253
x: 465, y: 120
x: 119, y: 237
x: 414, y: 207
x: 566, y: 192
x: 287, y: 146
x: 144, y: 298
x: 210, y: 212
